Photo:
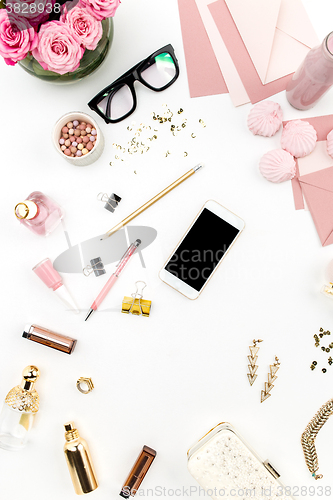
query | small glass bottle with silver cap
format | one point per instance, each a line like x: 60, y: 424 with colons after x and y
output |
x: 39, y: 213
x: 19, y: 410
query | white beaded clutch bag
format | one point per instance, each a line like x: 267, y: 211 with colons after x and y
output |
x: 225, y: 467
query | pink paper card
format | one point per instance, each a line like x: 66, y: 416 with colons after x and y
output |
x: 203, y: 72
x: 232, y: 79
x: 255, y: 89
x: 317, y: 188
x: 323, y: 125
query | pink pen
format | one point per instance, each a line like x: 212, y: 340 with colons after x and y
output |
x: 111, y: 281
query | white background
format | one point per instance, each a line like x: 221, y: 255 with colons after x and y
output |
x: 166, y: 380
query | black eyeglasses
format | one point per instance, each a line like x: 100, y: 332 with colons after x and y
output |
x: 118, y: 100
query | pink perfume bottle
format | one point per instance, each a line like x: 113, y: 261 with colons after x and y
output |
x: 314, y: 77
x: 39, y: 213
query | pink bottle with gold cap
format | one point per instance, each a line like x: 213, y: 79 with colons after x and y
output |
x: 39, y: 213
x: 314, y: 77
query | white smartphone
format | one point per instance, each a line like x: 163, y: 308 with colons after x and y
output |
x: 201, y: 250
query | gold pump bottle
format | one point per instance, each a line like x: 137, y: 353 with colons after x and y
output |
x: 79, y: 461
x: 19, y: 410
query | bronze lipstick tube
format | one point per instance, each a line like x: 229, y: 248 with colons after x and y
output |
x: 138, y: 472
x: 48, y: 338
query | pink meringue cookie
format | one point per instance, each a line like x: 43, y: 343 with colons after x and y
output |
x: 277, y: 166
x: 299, y: 138
x: 265, y: 118
x: 329, y: 143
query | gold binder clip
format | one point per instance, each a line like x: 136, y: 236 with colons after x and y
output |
x: 136, y: 305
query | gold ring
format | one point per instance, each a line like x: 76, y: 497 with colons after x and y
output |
x: 85, y: 381
x: 27, y: 210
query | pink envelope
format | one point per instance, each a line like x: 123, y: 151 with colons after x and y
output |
x: 317, y: 188
x: 278, y: 34
x: 322, y: 125
x: 256, y: 90
x: 203, y: 72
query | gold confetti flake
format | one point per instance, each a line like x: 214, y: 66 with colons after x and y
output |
x: 140, y: 140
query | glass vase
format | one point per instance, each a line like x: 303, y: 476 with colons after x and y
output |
x: 91, y: 60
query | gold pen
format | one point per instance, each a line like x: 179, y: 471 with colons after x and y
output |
x: 153, y: 200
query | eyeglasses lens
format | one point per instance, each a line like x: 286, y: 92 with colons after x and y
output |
x: 159, y: 71
x: 117, y: 102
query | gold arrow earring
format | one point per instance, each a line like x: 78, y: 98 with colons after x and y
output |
x: 253, y: 359
x: 265, y: 394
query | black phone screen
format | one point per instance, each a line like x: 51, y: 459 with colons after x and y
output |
x: 202, y: 249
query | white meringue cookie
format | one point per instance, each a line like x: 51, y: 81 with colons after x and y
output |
x: 277, y: 166
x: 265, y: 118
x: 329, y: 143
x: 299, y: 138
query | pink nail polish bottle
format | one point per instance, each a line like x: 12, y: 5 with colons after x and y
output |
x: 39, y: 213
x: 313, y: 78
x: 52, y: 279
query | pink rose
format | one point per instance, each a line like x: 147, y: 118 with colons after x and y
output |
x: 100, y: 9
x: 58, y: 49
x: 86, y: 27
x: 17, y: 38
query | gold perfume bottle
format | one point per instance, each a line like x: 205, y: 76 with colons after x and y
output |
x: 19, y: 410
x: 79, y: 461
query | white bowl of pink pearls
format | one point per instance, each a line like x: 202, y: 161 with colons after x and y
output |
x: 78, y: 139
